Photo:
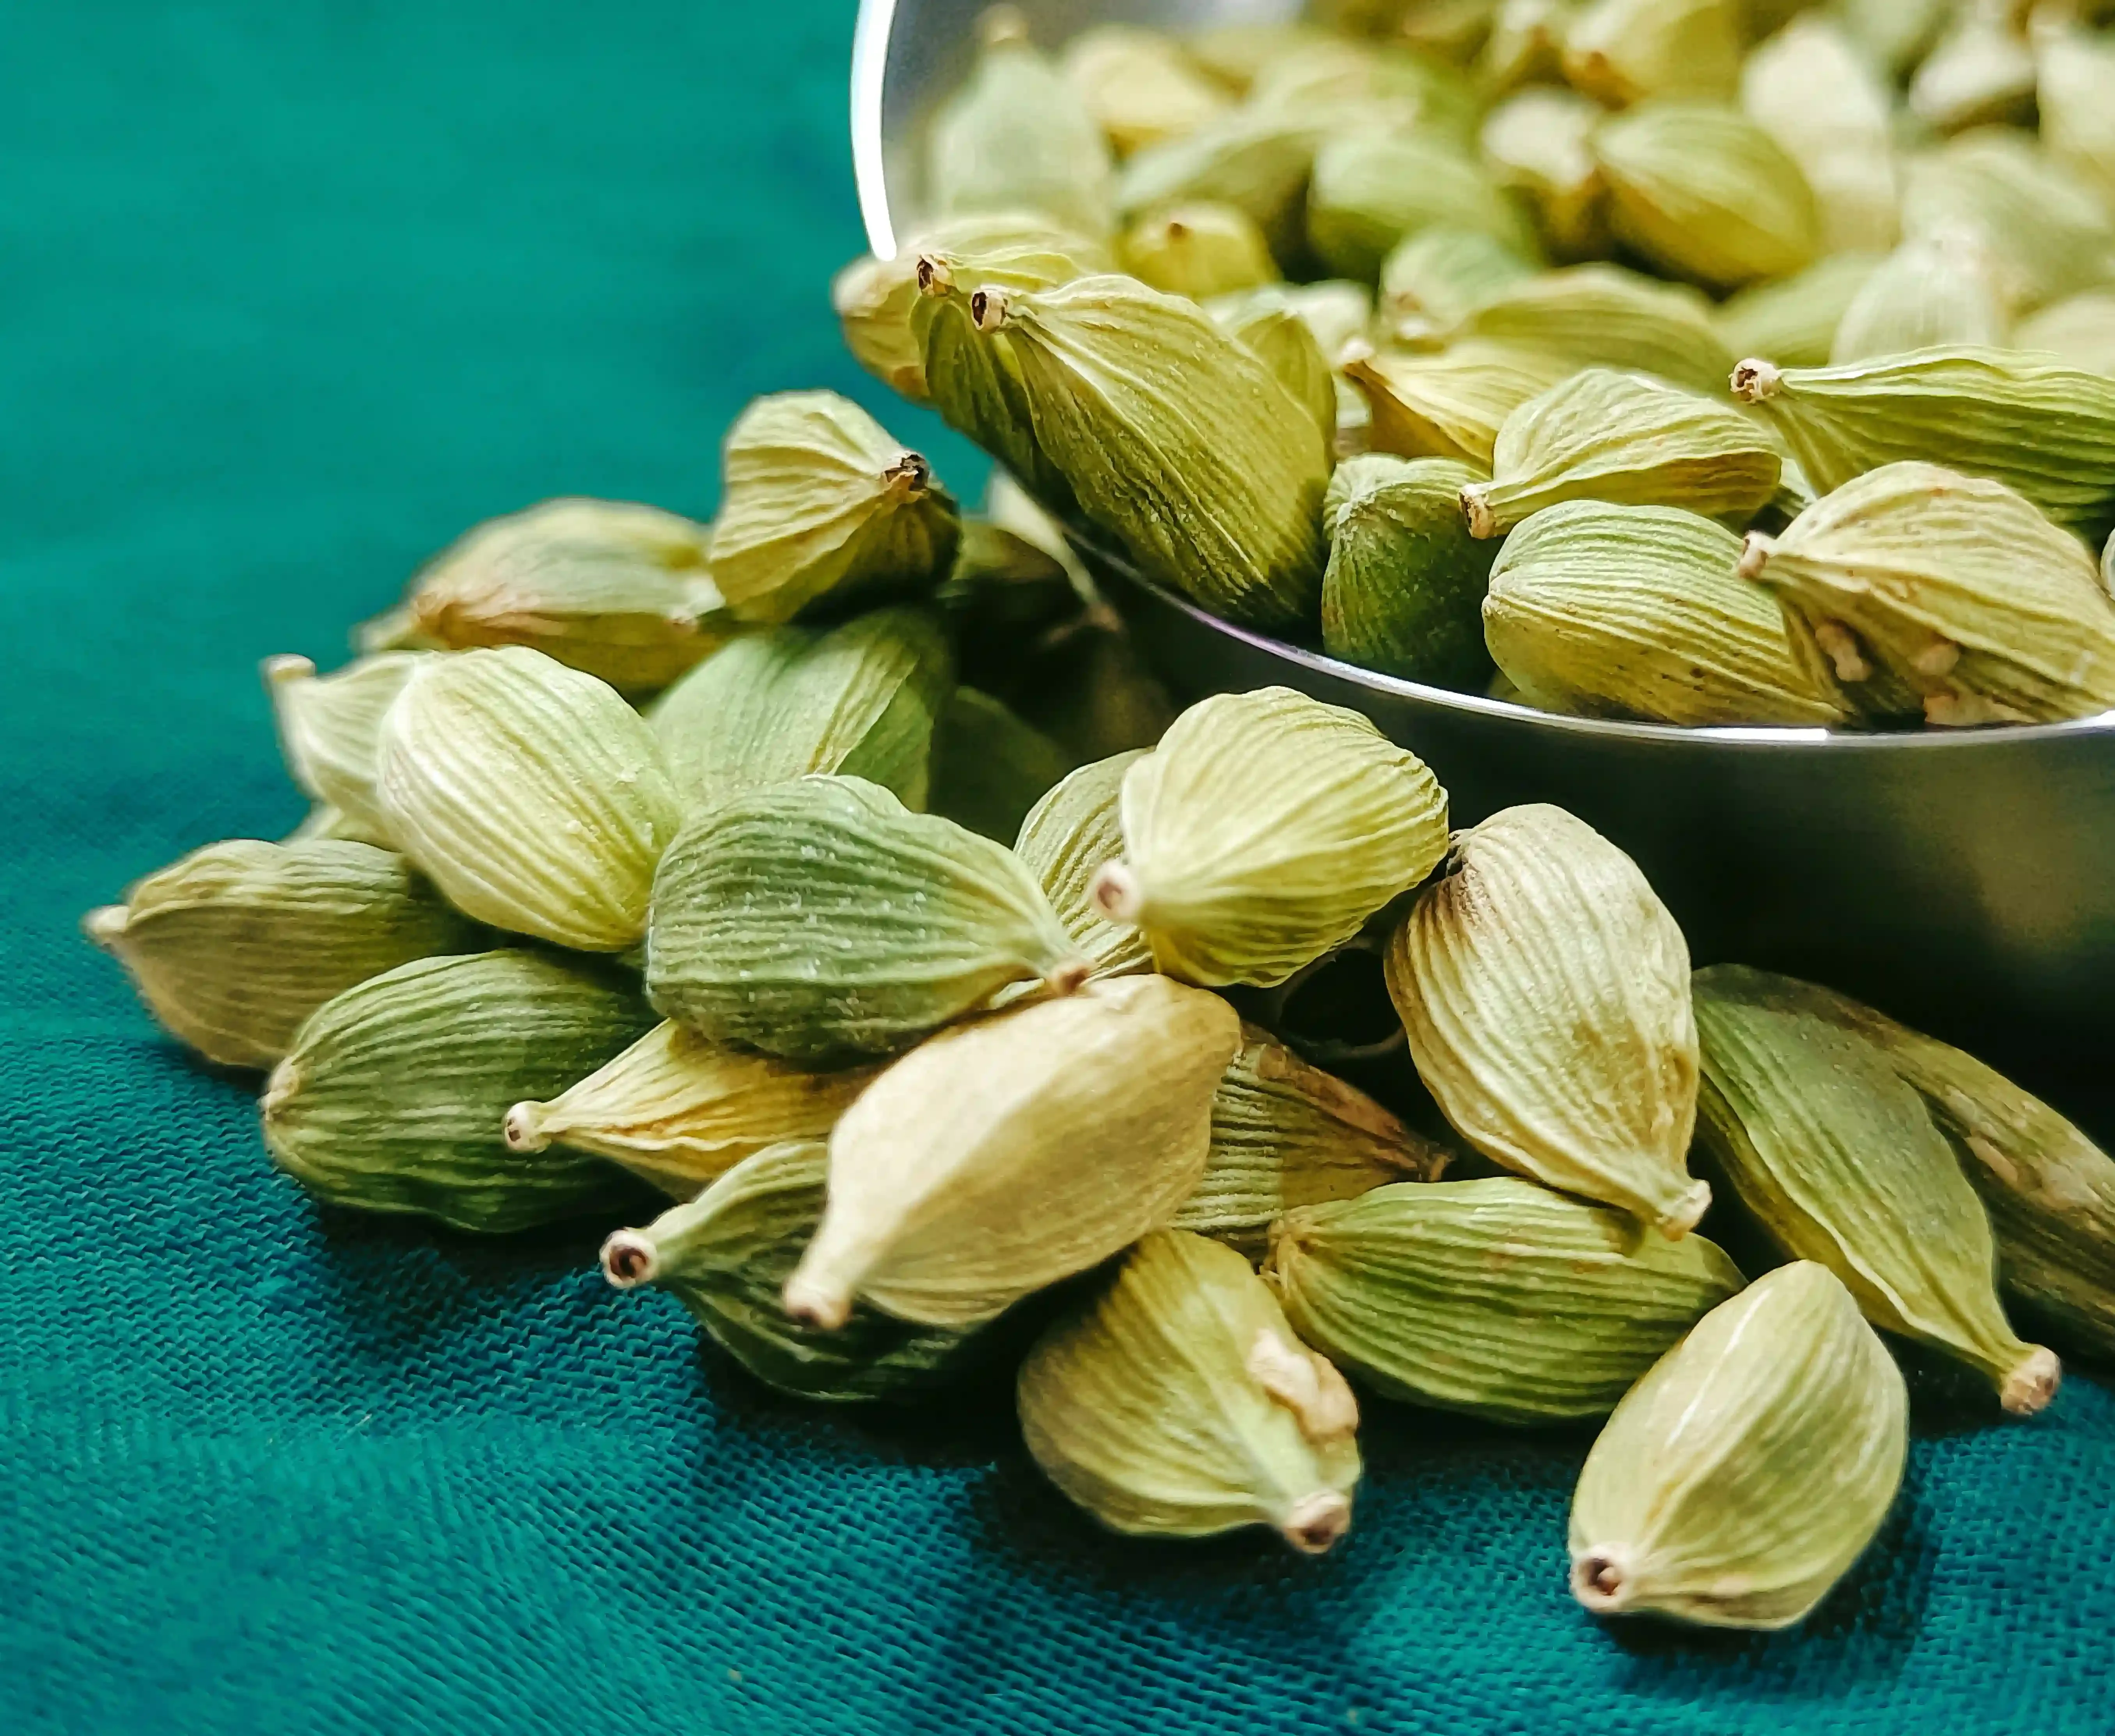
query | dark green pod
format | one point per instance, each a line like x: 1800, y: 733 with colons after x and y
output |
x: 1404, y: 590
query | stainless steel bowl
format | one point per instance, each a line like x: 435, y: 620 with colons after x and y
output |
x: 1964, y: 881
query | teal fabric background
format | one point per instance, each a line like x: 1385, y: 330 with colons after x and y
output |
x: 293, y: 294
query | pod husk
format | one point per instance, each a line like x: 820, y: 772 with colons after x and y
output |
x: 1404, y: 590
x: 1065, y: 840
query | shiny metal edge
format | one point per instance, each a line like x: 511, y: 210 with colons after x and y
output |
x: 870, y: 41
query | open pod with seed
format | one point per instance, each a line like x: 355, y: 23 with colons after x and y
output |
x: 1404, y: 584
x: 862, y: 698
x: 530, y: 794
x: 234, y: 946
x: 1065, y: 838
x: 1640, y: 612
x: 1839, y: 1161
x: 1742, y: 1478
x: 1953, y: 587
x: 1203, y: 248
x: 1545, y: 989
x: 1437, y: 276
x: 822, y: 510
x: 1621, y: 51
x: 1933, y: 291
x: 394, y: 1095
x: 1286, y: 1135
x: 1627, y: 439
x: 1792, y: 322
x: 2046, y: 233
x: 623, y: 592
x: 990, y: 767
x: 1178, y: 1403
x: 1537, y: 146
x: 1008, y: 1153
x: 680, y: 1110
x: 1269, y: 323
x: 1139, y: 86
x: 330, y: 731
x: 2049, y: 1190
x: 1496, y: 1296
x: 1603, y: 316
x: 821, y: 920
x: 1167, y: 435
x: 1818, y: 94
x: 2028, y: 421
x: 1372, y: 187
x: 1263, y: 832
x: 726, y: 1256
x: 1450, y: 404
x: 1018, y: 136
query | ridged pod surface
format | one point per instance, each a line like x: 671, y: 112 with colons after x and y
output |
x: 233, y: 946
x: 680, y: 1110
x: 1545, y: 990
x: 1450, y: 404
x: 1178, y: 1403
x: 1927, y: 294
x: 1263, y: 832
x: 330, y: 730
x: 1601, y: 316
x: 1496, y: 1296
x: 532, y: 796
x: 1742, y: 1478
x: 1268, y: 322
x: 823, y: 921
x: 1405, y: 585
x: 1840, y: 1162
x: 1065, y: 840
x: 393, y: 1097
x: 1372, y: 187
x: 1007, y: 1154
x: 1640, y: 611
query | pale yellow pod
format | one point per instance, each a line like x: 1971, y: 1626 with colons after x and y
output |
x: 1792, y: 322
x: 1454, y: 404
x: 1139, y: 86
x: 2074, y: 74
x: 532, y: 796
x: 1538, y: 142
x: 1065, y: 840
x: 2079, y: 329
x: 1263, y: 832
x: 1199, y: 249
x: 2045, y: 230
x: 1981, y: 72
x: 1816, y: 92
x: 1603, y: 316
x: 1742, y: 1478
x: 330, y: 730
x: 1545, y: 991
x: 1003, y: 1154
x: 1623, y: 51
x: 1932, y: 290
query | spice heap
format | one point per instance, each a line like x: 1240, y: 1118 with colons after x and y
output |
x: 837, y: 871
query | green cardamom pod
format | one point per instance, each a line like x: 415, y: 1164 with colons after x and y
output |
x: 233, y: 946
x: 1017, y: 136
x: 1257, y: 160
x: 1373, y: 86
x: 1178, y: 1403
x: 1432, y: 281
x: 1450, y: 404
x: 1929, y: 293
x: 393, y: 1097
x: 1545, y: 990
x: 1285, y: 1136
x: 1093, y: 695
x: 1359, y: 473
x: 680, y: 1110
x: 1405, y: 585
x: 2074, y: 70
x: 1741, y: 1478
x: 1007, y: 598
x: 1237, y: 54
x: 822, y: 920
x: 1374, y: 187
x: 533, y: 796
x: 1495, y: 1297
x: 2028, y: 421
x: 1628, y: 439
x: 989, y: 768
x: 1815, y: 92
x: 1640, y: 612
x: 1955, y: 588
x: 1537, y: 145
x: 2044, y: 232
x: 624, y: 593
x: 1065, y: 840
x: 1263, y: 832
x: 1198, y: 250
x: 822, y: 509
x: 1006, y: 1154
x: 1525, y: 44
x: 1601, y: 316
x: 2078, y: 331
x: 1706, y: 194
x: 1621, y: 51
x: 330, y: 730
x: 1894, y: 34
x: 1139, y: 86
x: 726, y: 1254
x: 1793, y: 321
x: 1839, y: 1161
x: 1980, y: 72
x: 862, y: 698
x: 1335, y: 311
x: 1268, y: 322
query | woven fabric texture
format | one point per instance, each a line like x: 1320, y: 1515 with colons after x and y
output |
x: 294, y: 293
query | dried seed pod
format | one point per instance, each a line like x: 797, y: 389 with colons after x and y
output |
x: 323, y: 823
x: 1953, y: 587
x: 1167, y: 434
x: 1928, y: 293
x: 1178, y: 1403
x: 1434, y: 279
x: 1621, y: 51
x: 823, y: 509
x: 2027, y: 421
x: 1285, y: 1136
x: 1065, y: 840
x: 1793, y: 321
x: 2074, y: 70
x: 1526, y: 46
x: 233, y: 946
x: 1235, y: 54
x: 1371, y: 85
x: 1008, y: 598
x: 1980, y: 72
x: 1452, y: 405
x: 1007, y: 1154
x: 1603, y: 316
x: 622, y: 591
x: 1640, y: 611
x: 2044, y: 231
x: 1839, y: 1161
x: 1494, y: 1296
x: 1537, y: 145
x: 1256, y: 160
x: 330, y: 730
x: 1335, y: 311
x: 1263, y: 832
x: 393, y: 630
x: 1361, y: 472
x: 1018, y: 136
x: 726, y: 1254
x: 391, y: 1098
x: 1373, y: 188
x: 533, y: 796
x: 1705, y: 193
x: 1139, y: 86
x: 2078, y: 331
x: 1629, y: 439
x: 862, y: 698
x: 822, y: 920
x: 680, y: 1110
x: 1093, y: 695
x: 1815, y: 91
x: 1545, y: 989
x: 1198, y: 250
x: 989, y: 768
x: 1405, y: 586
x: 1738, y: 1480
x: 1268, y: 324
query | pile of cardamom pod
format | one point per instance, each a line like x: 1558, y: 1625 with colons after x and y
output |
x: 837, y: 871
x: 1506, y: 222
